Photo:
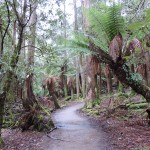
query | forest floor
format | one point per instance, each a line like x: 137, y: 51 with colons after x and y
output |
x: 126, y: 127
x: 77, y: 131
x: 73, y: 132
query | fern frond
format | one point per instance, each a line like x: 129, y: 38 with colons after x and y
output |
x: 115, y: 22
x: 106, y: 24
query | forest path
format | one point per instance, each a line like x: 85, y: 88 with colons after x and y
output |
x: 75, y: 132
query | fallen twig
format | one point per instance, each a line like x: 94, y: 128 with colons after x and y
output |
x: 52, y: 130
x: 54, y: 138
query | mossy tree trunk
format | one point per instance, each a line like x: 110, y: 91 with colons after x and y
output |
x: 9, y: 75
x: 14, y: 58
x: 121, y: 70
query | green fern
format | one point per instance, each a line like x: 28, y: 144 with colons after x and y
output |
x: 106, y: 24
x: 115, y: 22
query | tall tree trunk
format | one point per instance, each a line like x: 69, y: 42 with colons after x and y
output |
x: 77, y: 76
x: 86, y: 4
x: 14, y: 35
x: 83, y: 77
x: 9, y: 74
x: 30, y: 99
x: 1, y: 35
x: 65, y: 53
x: 75, y: 16
x: 85, y: 24
x: 77, y: 63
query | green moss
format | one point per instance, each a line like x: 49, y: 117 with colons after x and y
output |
x: 96, y: 102
x: 123, y: 95
x: 67, y: 98
x: 138, y: 106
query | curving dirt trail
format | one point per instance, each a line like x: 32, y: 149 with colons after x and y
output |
x: 75, y: 132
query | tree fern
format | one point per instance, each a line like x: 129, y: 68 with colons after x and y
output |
x: 106, y: 24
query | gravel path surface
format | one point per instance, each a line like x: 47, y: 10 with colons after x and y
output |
x: 75, y: 132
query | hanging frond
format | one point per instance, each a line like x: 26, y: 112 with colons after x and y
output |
x: 115, y: 23
x: 78, y: 44
x: 115, y: 47
x: 106, y: 25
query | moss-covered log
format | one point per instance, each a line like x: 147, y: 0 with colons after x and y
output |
x: 137, y: 106
x: 35, y: 120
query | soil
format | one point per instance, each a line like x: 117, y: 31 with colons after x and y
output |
x: 128, y: 135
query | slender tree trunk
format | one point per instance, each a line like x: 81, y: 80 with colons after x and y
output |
x: 14, y: 35
x: 86, y: 77
x: 77, y: 77
x: 77, y: 63
x: 75, y: 16
x: 1, y: 34
x: 83, y: 78
x: 65, y: 52
x: 86, y: 4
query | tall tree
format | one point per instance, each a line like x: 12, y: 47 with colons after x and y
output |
x: 65, y: 53
x: 22, y: 22
x: 76, y: 59
x: 29, y: 99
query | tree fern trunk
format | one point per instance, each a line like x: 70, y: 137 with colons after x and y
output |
x: 122, y: 71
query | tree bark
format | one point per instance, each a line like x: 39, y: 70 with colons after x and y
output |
x: 14, y: 36
x: 30, y: 98
x: 108, y: 75
x: 77, y: 77
x: 83, y: 77
x: 1, y: 35
x: 51, y: 85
